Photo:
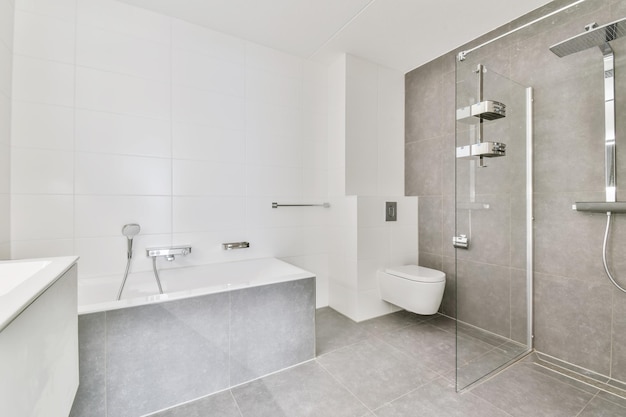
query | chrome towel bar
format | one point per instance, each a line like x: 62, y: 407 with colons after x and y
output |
x: 276, y: 205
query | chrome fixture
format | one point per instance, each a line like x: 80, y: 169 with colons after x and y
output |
x: 600, y: 206
x: 600, y: 36
x: 391, y: 211
x: 594, y: 35
x: 484, y: 149
x: 460, y: 242
x: 130, y: 231
x: 463, y: 54
x: 276, y: 205
x: 604, y: 245
x: 486, y: 110
x: 156, y: 275
x: 169, y: 253
x: 235, y: 245
x: 478, y: 113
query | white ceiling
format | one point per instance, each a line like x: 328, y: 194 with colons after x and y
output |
x: 401, y: 34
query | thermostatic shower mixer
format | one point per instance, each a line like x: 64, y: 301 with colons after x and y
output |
x: 169, y: 253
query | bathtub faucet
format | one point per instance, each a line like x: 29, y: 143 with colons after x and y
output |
x: 169, y: 253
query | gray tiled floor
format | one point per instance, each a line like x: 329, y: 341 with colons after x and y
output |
x: 400, y: 365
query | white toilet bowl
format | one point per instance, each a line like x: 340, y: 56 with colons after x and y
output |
x: 414, y: 288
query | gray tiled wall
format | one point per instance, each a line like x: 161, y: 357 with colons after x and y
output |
x: 139, y: 360
x: 579, y: 315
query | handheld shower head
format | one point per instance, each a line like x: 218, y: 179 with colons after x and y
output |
x: 130, y: 231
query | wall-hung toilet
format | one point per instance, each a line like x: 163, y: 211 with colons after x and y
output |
x: 414, y: 288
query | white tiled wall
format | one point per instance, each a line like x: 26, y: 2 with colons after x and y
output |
x: 7, y: 19
x: 366, y: 169
x: 361, y: 243
x: 121, y: 115
x: 381, y: 244
x: 337, y: 128
x: 374, y: 129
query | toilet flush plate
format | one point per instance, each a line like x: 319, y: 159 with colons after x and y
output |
x: 391, y: 211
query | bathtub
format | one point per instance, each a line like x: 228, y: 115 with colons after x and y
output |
x: 99, y: 294
x: 216, y: 326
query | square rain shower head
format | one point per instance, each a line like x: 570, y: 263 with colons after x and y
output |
x: 593, y: 37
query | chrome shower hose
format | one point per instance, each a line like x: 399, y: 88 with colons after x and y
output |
x: 119, y: 293
x: 156, y: 274
x: 604, y: 245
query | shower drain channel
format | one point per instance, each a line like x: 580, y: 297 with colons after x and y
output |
x: 581, y: 376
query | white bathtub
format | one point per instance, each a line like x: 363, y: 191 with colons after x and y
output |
x: 99, y: 294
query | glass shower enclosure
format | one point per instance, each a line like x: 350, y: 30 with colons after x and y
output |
x: 493, y: 221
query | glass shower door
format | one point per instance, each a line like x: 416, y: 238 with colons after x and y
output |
x: 492, y: 221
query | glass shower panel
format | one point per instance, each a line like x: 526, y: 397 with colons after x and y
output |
x: 491, y: 221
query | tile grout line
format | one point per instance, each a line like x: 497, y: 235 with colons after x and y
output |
x: 611, y: 335
x: 230, y: 306
x: 171, y: 123
x: 106, y: 336
x: 380, y: 338
x: 236, y: 403
x: 409, y: 392
x: 587, y: 403
x: 408, y: 356
x: 487, y: 401
x: 343, y: 385
x: 369, y: 335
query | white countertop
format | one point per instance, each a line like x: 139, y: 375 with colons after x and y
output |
x: 25, y: 280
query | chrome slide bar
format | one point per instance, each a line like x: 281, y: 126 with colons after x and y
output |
x: 609, y: 121
x: 276, y: 205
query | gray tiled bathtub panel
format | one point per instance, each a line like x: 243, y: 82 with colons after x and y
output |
x: 143, y: 359
x: 90, y: 398
x: 273, y: 328
x: 304, y: 390
x: 163, y: 354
